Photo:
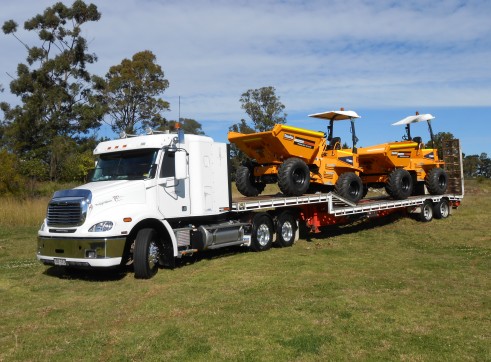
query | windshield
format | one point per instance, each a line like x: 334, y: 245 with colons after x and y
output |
x: 129, y: 165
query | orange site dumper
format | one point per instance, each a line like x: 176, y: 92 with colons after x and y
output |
x: 300, y: 160
x: 404, y: 168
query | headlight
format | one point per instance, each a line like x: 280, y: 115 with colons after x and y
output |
x: 101, y: 226
x: 42, y: 227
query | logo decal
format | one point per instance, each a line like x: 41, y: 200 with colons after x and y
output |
x: 302, y: 142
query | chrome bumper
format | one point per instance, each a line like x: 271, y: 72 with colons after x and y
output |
x: 95, y: 252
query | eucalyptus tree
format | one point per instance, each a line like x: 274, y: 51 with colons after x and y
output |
x: 53, y: 84
x: 131, y: 93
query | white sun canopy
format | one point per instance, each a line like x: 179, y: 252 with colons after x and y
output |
x: 414, y: 119
x: 336, y: 115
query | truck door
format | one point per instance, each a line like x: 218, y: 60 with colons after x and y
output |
x: 173, y: 195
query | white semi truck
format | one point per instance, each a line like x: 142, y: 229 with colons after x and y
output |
x: 155, y: 198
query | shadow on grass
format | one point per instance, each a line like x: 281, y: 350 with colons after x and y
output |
x: 211, y: 255
x: 354, y: 226
x: 92, y: 275
x: 118, y: 273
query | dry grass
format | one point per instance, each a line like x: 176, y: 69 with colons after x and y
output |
x: 18, y: 212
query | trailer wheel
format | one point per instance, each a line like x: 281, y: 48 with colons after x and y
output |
x: 441, y: 210
x: 293, y: 177
x: 426, y: 213
x: 244, y: 180
x: 262, y: 232
x: 436, y: 181
x: 349, y: 186
x: 400, y: 184
x: 286, y: 228
x: 146, y: 254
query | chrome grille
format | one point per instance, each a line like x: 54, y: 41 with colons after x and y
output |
x: 61, y: 213
x: 68, y: 208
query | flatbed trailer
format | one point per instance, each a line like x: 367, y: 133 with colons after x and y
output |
x: 324, y: 209
x: 157, y: 198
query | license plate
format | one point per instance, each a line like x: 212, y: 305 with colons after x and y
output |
x: 61, y: 262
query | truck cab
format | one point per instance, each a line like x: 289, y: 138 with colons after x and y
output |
x: 156, y: 181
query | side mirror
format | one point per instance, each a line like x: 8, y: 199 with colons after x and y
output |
x: 90, y: 175
x: 181, y: 165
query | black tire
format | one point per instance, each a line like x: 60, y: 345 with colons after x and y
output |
x: 365, y: 191
x: 400, y: 184
x: 349, y: 186
x: 436, y: 181
x: 441, y: 210
x: 262, y: 232
x: 426, y: 214
x: 286, y: 228
x: 146, y: 254
x: 293, y: 177
x: 244, y: 180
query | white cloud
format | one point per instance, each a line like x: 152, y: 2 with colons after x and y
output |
x: 317, y: 54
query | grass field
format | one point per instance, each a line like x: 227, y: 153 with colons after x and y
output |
x: 392, y: 290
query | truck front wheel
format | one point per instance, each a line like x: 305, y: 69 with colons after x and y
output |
x: 146, y: 254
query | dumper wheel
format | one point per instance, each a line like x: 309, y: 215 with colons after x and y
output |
x: 244, y: 180
x: 400, y: 184
x: 146, y: 254
x: 293, y: 177
x: 436, y: 181
x: 350, y: 187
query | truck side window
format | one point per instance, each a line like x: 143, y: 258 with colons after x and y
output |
x: 168, y: 168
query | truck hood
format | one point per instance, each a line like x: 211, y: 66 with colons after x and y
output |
x: 111, y: 193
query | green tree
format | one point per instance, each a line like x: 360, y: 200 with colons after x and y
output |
x: 130, y: 93
x: 264, y: 108
x: 54, y: 85
x: 471, y: 165
x: 484, y: 167
x: 438, y: 140
x: 11, y: 182
x: 237, y: 157
x: 188, y: 125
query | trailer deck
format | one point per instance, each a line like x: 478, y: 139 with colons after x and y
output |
x: 336, y: 205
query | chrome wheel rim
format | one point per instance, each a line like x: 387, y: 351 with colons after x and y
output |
x: 153, y: 255
x: 263, y: 235
x: 427, y: 212
x: 287, y: 231
x: 444, y: 209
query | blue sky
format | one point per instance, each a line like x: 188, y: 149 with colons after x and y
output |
x: 382, y: 59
